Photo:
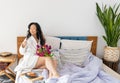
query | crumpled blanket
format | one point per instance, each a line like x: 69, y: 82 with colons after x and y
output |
x: 90, y: 73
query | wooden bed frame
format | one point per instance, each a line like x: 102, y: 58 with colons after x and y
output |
x: 93, y: 49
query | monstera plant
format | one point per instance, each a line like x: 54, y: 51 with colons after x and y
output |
x: 109, y: 17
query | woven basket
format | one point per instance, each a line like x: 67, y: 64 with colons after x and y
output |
x: 111, y: 54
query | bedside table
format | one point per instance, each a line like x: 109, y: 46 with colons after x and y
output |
x: 112, y: 65
x: 5, y: 63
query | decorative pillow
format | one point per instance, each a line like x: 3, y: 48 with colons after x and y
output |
x: 53, y: 41
x: 75, y: 44
x: 75, y: 56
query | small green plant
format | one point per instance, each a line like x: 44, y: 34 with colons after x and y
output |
x: 110, y: 20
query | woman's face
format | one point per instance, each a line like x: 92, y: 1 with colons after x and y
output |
x: 33, y: 29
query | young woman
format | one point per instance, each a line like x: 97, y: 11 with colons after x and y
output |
x: 28, y: 50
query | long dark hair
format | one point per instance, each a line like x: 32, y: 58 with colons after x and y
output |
x: 39, y: 33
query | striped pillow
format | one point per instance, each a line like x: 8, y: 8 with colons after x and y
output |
x: 75, y: 56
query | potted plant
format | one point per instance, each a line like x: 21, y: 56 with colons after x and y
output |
x: 110, y: 20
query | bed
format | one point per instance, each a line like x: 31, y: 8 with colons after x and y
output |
x: 93, y: 50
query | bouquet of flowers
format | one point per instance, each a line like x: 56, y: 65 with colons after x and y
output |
x: 44, y: 50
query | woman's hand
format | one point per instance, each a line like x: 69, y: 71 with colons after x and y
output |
x: 24, y: 43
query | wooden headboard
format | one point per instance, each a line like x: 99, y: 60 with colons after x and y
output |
x: 93, y: 49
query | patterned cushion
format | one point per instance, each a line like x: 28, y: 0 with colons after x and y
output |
x: 3, y: 65
x: 75, y: 56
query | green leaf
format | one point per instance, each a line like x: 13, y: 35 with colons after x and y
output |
x: 109, y: 17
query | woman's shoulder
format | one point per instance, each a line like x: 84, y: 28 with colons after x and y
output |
x: 30, y: 38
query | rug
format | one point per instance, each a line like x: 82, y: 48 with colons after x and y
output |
x: 5, y: 79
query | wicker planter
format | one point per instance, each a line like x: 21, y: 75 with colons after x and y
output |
x: 111, y: 54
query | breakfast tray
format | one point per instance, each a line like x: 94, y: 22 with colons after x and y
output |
x: 38, y: 79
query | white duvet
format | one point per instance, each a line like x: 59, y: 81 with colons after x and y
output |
x: 92, y: 73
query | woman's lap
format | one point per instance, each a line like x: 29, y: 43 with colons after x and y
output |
x: 40, y: 62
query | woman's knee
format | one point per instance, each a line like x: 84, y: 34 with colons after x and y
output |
x: 48, y: 58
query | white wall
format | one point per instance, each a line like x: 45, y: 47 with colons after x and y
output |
x: 56, y: 17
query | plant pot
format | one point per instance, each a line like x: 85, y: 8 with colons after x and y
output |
x: 111, y: 53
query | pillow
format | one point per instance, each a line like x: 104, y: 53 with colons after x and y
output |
x: 53, y: 41
x: 75, y: 56
x: 75, y: 44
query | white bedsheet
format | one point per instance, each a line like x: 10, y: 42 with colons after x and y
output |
x: 111, y: 72
x: 92, y: 73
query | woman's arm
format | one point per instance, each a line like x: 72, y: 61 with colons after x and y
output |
x: 23, y: 47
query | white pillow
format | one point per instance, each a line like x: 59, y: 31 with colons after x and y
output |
x: 75, y: 56
x: 53, y: 41
x: 75, y: 44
